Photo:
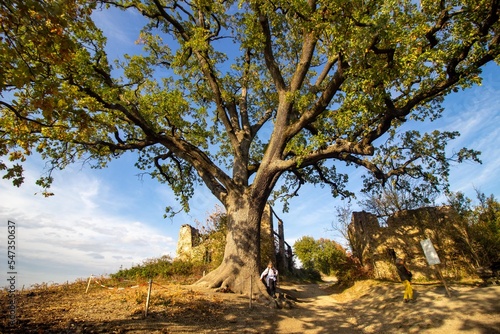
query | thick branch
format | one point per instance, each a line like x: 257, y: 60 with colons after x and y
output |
x: 326, y: 69
x: 310, y: 39
x: 323, y: 101
x: 336, y: 151
x: 271, y: 63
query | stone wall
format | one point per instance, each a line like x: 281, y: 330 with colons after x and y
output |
x: 377, y: 246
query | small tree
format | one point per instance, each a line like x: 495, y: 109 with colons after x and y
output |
x: 305, y: 249
x: 478, y: 227
x: 323, y: 255
x: 341, y: 225
x: 330, y: 256
x: 485, y: 229
x: 463, y: 226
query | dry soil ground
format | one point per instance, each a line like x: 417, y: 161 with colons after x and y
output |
x: 367, y: 307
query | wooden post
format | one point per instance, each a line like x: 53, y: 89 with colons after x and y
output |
x: 281, y: 247
x: 267, y: 236
x: 442, y: 279
x: 88, y: 284
x: 147, y: 299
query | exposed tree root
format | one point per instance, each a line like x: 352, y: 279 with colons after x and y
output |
x: 237, y: 281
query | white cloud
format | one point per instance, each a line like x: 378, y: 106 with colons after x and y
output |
x: 73, y: 234
x: 111, y: 21
x: 477, y: 123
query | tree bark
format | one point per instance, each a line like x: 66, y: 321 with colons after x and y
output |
x: 240, y: 268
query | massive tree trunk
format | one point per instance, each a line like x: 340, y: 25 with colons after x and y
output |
x: 239, y: 270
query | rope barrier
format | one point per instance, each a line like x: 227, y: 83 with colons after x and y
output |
x: 149, y: 284
x: 117, y: 288
x: 110, y: 287
x: 92, y: 279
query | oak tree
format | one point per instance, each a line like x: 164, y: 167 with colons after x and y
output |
x: 250, y: 98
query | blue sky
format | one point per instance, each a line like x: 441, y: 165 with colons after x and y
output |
x: 100, y: 220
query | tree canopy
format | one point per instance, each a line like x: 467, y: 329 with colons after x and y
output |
x: 238, y: 95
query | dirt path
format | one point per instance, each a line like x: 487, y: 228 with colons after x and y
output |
x: 367, y: 307
x: 373, y: 307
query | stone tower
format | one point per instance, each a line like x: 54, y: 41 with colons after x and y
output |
x: 189, y: 237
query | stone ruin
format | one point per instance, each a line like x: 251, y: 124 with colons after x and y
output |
x: 189, y: 238
x: 273, y: 245
x: 377, y: 246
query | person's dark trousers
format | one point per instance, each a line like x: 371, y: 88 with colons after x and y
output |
x: 271, y: 289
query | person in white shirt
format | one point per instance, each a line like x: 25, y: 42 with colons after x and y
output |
x: 270, y: 274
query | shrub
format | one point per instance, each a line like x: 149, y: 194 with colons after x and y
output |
x: 153, y: 268
x: 351, y: 271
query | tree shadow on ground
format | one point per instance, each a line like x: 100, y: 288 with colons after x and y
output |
x: 381, y: 310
